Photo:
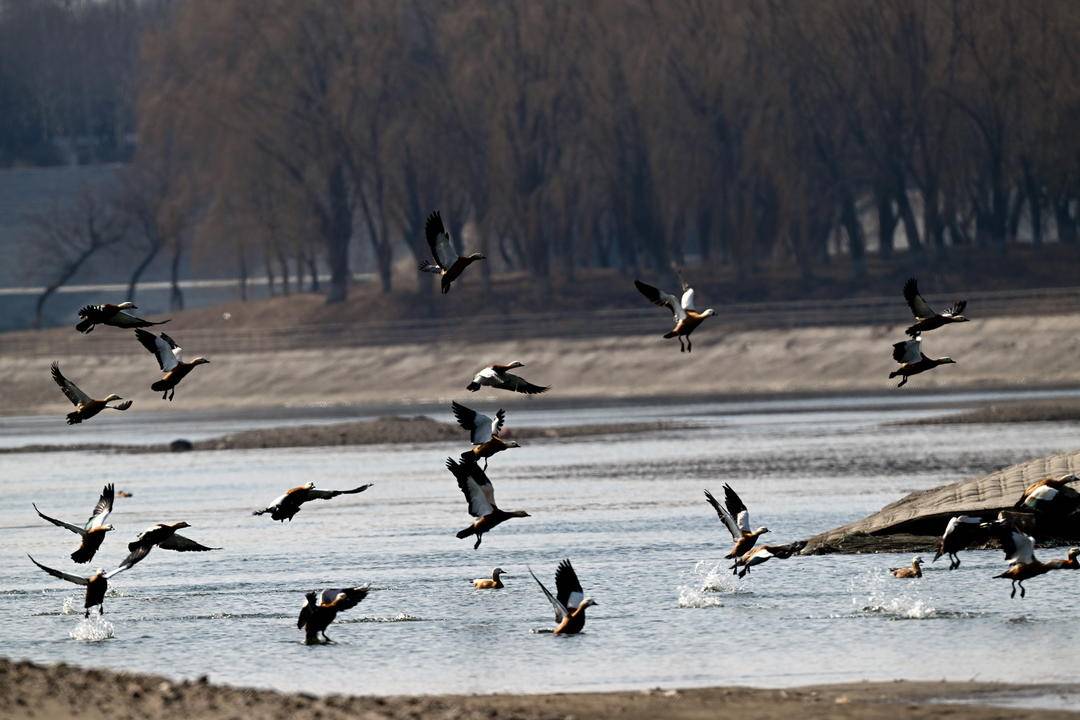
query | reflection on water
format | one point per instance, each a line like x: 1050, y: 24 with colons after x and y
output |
x: 628, y: 510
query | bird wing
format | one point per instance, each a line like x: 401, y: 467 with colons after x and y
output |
x: 736, y: 508
x: 688, y: 299
x: 124, y: 320
x: 1020, y: 548
x: 102, y: 509
x: 60, y: 523
x: 475, y: 486
x: 907, y: 351
x: 59, y: 574
x: 567, y: 586
x: 179, y: 543
x: 138, y: 552
x: 956, y: 309
x: 116, y: 571
x: 521, y: 385
x: 480, y: 426
x: 314, y: 494
x: 305, y: 613
x: 162, y: 347
x: 560, y: 609
x: 70, y: 389
x: 343, y: 598
x: 662, y: 299
x: 919, y: 307
x: 500, y: 420
x: 438, y: 239
x: 725, y: 516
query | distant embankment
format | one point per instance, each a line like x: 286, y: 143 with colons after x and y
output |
x: 916, y: 521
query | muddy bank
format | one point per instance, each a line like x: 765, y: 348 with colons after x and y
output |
x: 60, y: 692
x: 1009, y: 412
x: 381, y: 431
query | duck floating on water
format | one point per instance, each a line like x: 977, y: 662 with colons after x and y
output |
x: 763, y: 553
x: 569, y: 601
x: 478, y: 491
x: 86, y: 407
x: 912, y: 360
x: 93, y: 530
x: 109, y: 314
x: 744, y: 537
x: 683, y: 311
x: 962, y: 532
x: 492, y: 583
x: 447, y: 263
x: 164, y: 536
x: 912, y: 571
x: 170, y: 359
x: 321, y: 608
x: 926, y: 318
x: 96, y: 585
x: 483, y: 433
x: 288, y: 504
x: 500, y: 378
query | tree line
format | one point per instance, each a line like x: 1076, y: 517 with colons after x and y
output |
x: 558, y: 135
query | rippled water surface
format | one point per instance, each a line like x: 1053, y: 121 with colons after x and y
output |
x: 628, y: 510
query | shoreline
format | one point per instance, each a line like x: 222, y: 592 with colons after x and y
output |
x: 55, y: 692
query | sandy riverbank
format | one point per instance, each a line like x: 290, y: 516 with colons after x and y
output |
x: 1063, y: 410
x: 1004, y: 352
x: 60, y: 692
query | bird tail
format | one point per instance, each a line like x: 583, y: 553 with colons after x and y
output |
x: 82, y: 556
x: 473, y: 386
x: 893, y: 374
x: 159, y: 386
x: 466, y: 532
x: 1002, y: 575
x: 669, y: 335
x: 74, y: 418
x: 85, y: 326
x: 260, y: 512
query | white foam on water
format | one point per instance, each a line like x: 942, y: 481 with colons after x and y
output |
x: 707, y: 581
x: 92, y: 629
x: 70, y: 608
x: 878, y: 593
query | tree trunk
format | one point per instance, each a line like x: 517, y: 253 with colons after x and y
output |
x: 313, y: 270
x: 137, y: 273
x: 887, y: 221
x: 176, y: 296
x: 337, y: 233
x: 1066, y: 224
x: 856, y: 244
x: 243, y: 274
x: 907, y: 215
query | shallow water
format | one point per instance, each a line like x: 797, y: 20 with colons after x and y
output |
x: 629, y: 512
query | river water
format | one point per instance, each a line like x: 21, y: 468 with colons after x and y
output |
x: 627, y: 509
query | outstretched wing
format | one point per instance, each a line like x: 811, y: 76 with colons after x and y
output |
x: 163, y: 347
x: 70, y: 389
x: 138, y: 552
x: 662, y: 299
x: 560, y: 609
x: 179, y: 543
x: 521, y: 385
x: 567, y: 587
x: 442, y: 249
x: 919, y: 307
x: 480, y: 426
x: 956, y: 309
x: 907, y: 351
x: 59, y: 574
x: 60, y: 523
x: 314, y: 494
x: 475, y: 486
x: 305, y: 613
x: 343, y: 598
x: 736, y: 508
x: 102, y: 509
x: 725, y: 516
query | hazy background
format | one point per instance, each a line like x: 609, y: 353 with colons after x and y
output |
x: 778, y: 150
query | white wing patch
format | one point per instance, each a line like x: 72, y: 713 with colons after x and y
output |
x: 170, y: 357
x: 744, y: 521
x: 688, y: 299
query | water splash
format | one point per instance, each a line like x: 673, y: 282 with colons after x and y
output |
x: 92, y: 629
x: 70, y: 608
x: 707, y: 581
x: 400, y: 617
x: 879, y: 594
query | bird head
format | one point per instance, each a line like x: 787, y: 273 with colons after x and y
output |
x: 917, y: 560
x: 199, y: 361
x: 516, y: 364
x: 761, y: 531
x: 477, y: 256
x: 309, y: 598
x: 497, y: 572
x: 709, y: 312
x: 99, y: 571
x: 512, y: 444
x: 1070, y: 478
x: 1074, y: 552
x: 180, y: 525
x: 309, y: 485
x: 945, y: 360
x: 113, y: 396
x: 521, y: 513
x: 107, y: 528
x: 586, y: 602
x: 128, y: 305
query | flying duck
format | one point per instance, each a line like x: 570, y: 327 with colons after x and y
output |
x: 483, y: 433
x: 480, y: 495
x: 1043, y: 494
x: 914, y: 571
x: 93, y: 531
x: 285, y: 506
x: 744, y: 537
x: 1019, y: 550
x: 164, y: 536
x: 447, y: 263
x: 912, y: 360
x: 96, y: 585
x: 685, y: 314
x: 170, y: 360
x: 569, y: 602
x: 962, y: 532
x: 320, y: 609
x: 763, y: 553
x: 109, y: 314
x: 500, y: 378
x: 492, y: 583
x: 86, y: 407
x: 926, y: 318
